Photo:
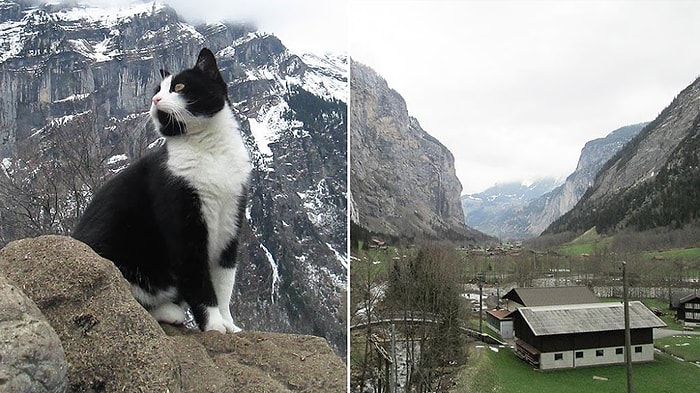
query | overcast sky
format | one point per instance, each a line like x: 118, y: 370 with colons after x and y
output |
x: 515, y: 89
x: 316, y: 26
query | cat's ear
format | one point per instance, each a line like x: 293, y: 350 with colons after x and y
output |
x: 164, y: 74
x: 207, y: 64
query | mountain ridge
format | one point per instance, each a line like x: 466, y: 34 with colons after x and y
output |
x: 522, y: 219
x: 78, y: 84
x: 651, y: 183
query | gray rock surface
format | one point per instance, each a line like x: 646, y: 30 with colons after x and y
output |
x: 31, y: 356
x: 651, y: 182
x: 113, y: 345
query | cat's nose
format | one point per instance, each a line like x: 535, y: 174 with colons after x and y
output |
x: 156, y: 100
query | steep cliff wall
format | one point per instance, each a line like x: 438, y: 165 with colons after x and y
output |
x: 403, y: 180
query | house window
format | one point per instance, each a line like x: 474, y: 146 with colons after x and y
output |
x: 558, y: 356
x: 688, y: 306
x: 579, y: 354
x: 599, y: 352
x: 637, y: 349
x: 619, y: 351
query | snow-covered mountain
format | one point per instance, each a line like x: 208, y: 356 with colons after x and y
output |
x: 490, y: 210
x: 77, y: 76
x: 522, y: 211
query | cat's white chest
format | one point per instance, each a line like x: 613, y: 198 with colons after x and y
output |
x: 217, y: 166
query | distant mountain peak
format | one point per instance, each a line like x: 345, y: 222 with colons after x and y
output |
x: 521, y: 210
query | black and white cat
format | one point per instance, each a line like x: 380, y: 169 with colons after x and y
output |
x: 170, y: 220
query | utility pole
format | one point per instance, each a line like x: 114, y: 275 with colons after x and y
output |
x: 628, y: 338
x: 394, y: 378
x: 480, y: 280
x: 498, y: 295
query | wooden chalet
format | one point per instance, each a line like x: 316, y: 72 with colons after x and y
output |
x: 579, y: 335
x: 689, y: 309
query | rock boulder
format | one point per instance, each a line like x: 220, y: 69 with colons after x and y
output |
x: 31, y: 356
x: 112, y: 344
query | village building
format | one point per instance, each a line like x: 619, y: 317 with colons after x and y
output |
x: 548, y: 296
x: 579, y: 335
x: 688, y: 309
x: 500, y: 321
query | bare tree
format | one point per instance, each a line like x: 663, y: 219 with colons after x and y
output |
x: 45, y: 189
x: 367, y: 290
x: 425, y: 286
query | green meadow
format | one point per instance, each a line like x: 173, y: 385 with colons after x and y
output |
x: 503, y: 372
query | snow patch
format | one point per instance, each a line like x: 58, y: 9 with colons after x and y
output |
x: 117, y: 158
x: 73, y: 97
x: 275, y: 272
x: 160, y: 141
x: 266, y: 128
x: 326, y: 77
x: 6, y: 165
x: 341, y: 257
x: 107, y: 15
x: 316, y: 202
x: 321, y: 276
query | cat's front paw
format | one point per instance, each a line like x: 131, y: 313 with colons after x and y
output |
x: 215, y: 321
x: 228, y: 319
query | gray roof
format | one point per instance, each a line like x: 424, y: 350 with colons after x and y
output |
x: 688, y: 298
x: 532, y: 297
x: 586, y: 318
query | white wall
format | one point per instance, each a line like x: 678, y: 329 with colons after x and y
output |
x: 589, y: 358
x: 506, y: 329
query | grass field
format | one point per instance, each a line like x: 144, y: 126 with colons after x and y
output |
x: 587, y: 243
x: 683, y: 345
x: 680, y: 253
x: 663, y: 375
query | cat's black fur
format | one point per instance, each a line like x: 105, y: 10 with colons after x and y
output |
x: 170, y: 221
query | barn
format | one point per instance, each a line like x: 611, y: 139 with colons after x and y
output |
x: 689, y: 309
x: 548, y: 296
x: 579, y: 335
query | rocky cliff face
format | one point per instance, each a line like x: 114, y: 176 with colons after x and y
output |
x: 593, y: 156
x: 652, y: 182
x: 71, y: 67
x: 523, y: 218
x: 403, y: 180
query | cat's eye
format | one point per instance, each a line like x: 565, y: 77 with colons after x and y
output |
x: 178, y: 88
